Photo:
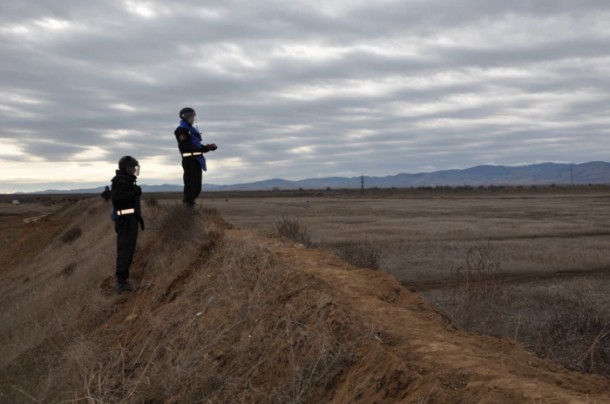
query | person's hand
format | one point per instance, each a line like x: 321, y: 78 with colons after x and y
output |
x: 212, y: 146
x: 138, y: 190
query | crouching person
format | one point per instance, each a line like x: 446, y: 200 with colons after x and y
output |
x: 127, y: 216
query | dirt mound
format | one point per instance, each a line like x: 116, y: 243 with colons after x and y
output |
x: 227, y: 315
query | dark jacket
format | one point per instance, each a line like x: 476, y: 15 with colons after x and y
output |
x: 125, y: 192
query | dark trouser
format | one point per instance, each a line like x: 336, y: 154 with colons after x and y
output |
x: 126, y: 236
x: 192, y: 179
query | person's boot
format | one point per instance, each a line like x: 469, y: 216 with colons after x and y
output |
x: 124, y: 286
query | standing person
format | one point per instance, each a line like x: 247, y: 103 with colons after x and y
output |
x: 191, y: 149
x: 106, y: 194
x: 127, y: 215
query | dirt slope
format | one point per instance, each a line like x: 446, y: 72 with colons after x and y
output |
x: 228, y: 315
x: 421, y: 353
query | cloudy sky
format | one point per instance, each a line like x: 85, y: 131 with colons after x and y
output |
x: 298, y: 89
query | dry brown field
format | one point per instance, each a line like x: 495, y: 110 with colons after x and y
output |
x: 425, y: 236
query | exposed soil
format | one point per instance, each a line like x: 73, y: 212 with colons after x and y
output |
x: 24, y: 234
x: 423, y: 354
x: 232, y: 315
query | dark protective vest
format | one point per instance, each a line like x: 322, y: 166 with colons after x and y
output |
x: 195, y: 141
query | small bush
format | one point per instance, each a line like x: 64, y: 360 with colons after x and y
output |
x: 361, y: 254
x: 575, y: 333
x: 481, y: 266
x: 480, y: 300
x: 71, y: 235
x: 293, y: 230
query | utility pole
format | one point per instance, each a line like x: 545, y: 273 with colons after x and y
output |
x: 362, y: 183
x: 572, y: 173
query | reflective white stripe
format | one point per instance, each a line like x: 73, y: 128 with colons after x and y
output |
x: 125, y: 212
x: 192, y: 154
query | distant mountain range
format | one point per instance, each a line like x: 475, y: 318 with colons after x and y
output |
x: 595, y: 172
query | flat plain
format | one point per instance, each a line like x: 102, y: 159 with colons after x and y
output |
x: 424, y: 236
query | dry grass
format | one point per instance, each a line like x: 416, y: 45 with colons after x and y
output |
x: 205, y: 325
x: 291, y: 229
x: 219, y: 316
x: 226, y: 346
x: 568, y: 322
x: 359, y: 253
x: 47, y: 279
x: 481, y: 240
x: 561, y: 320
x: 422, y: 236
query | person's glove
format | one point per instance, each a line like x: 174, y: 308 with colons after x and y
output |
x: 212, y: 146
x: 138, y: 190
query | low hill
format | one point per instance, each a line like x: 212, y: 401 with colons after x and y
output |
x: 594, y: 172
x: 230, y: 315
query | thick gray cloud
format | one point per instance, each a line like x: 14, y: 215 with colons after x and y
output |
x: 299, y: 89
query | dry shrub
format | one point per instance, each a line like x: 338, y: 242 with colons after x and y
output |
x: 480, y: 299
x: 290, y: 228
x: 585, y: 343
x: 360, y: 253
x: 559, y: 321
x: 71, y: 235
x: 571, y: 329
x: 481, y: 265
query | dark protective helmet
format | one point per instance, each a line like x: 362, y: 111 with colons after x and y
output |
x: 186, y: 113
x: 126, y: 162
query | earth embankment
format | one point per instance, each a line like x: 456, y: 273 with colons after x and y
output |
x: 229, y: 315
